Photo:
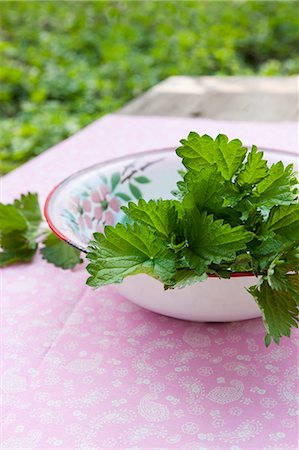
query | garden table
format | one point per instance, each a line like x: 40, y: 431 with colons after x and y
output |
x: 85, y: 369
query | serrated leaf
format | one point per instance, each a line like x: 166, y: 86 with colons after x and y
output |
x: 242, y: 263
x: 279, y: 310
x: 11, y: 219
x: 230, y: 156
x: 123, y: 196
x: 15, y: 248
x: 128, y: 250
x: 266, y: 249
x: 278, y: 188
x: 278, y: 275
x: 28, y: 206
x: 293, y: 279
x: 212, y: 241
x: 115, y: 179
x: 142, y: 180
x: 200, y: 152
x: 197, y: 151
x: 206, y: 190
x: 255, y: 168
x: 186, y: 277
x: 161, y: 215
x: 284, y: 220
x: 12, y: 257
x: 135, y: 191
x: 60, y: 253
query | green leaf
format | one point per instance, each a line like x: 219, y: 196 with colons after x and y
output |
x: 278, y: 188
x: 255, y: 168
x: 199, y: 152
x: 293, y: 279
x: 278, y: 275
x: 123, y: 196
x: 142, y: 180
x: 115, y: 179
x: 16, y: 256
x: 161, y: 215
x: 18, y: 228
x: 128, y: 250
x: 230, y: 156
x: 11, y: 219
x: 16, y: 248
x: 266, y: 249
x: 212, y: 241
x: 186, y: 277
x: 279, y: 310
x: 135, y: 191
x: 28, y: 206
x: 242, y: 263
x: 60, y: 253
x: 284, y: 220
x: 205, y: 191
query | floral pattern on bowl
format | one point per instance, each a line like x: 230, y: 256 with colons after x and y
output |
x: 91, y: 199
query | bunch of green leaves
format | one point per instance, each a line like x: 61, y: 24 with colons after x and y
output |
x: 21, y: 232
x: 231, y: 213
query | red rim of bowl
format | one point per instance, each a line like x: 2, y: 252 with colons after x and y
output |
x: 119, y: 159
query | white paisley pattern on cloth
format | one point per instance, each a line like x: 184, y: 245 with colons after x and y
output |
x: 152, y: 410
x: 226, y: 394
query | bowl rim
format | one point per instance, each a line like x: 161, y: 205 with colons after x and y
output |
x: 136, y: 155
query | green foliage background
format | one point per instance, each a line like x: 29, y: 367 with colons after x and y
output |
x: 64, y: 64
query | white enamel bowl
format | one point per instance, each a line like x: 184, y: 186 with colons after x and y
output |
x: 91, y: 198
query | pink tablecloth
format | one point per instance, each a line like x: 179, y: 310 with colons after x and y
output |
x: 89, y: 370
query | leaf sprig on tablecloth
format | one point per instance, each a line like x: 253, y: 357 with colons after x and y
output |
x: 21, y: 233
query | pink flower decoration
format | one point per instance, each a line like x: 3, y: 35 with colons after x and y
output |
x: 106, y: 205
x: 96, y: 211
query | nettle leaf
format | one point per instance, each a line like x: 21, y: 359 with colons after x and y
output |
x: 278, y: 188
x: 283, y: 220
x: 266, y: 248
x: 230, y: 156
x: 255, y: 168
x: 129, y: 250
x: 293, y: 280
x: 212, y: 241
x: 19, y: 225
x: 279, y: 310
x: 16, y: 248
x: 278, y: 273
x: 28, y: 206
x: 186, y: 277
x: 135, y: 191
x: 242, y: 263
x: 197, y: 151
x: 291, y: 259
x: 11, y: 219
x: 211, y: 193
x: 161, y: 215
x: 60, y: 253
x: 206, y: 190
